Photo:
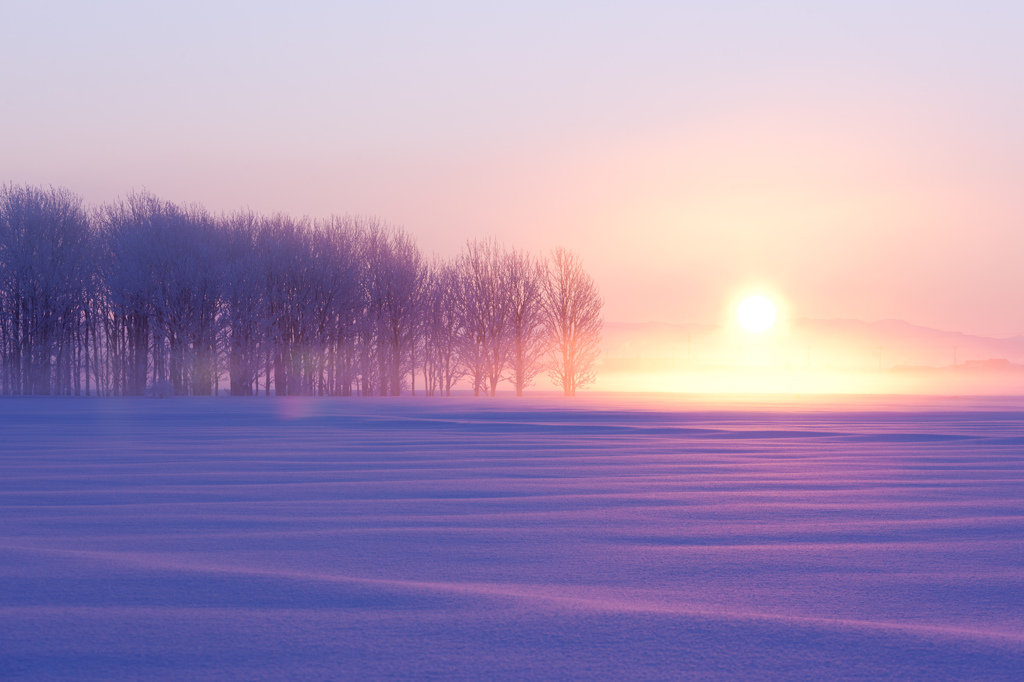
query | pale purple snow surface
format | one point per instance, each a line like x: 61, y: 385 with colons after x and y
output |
x: 611, y: 538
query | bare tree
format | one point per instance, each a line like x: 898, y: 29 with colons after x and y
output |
x: 572, y: 312
x: 45, y: 241
x: 524, y: 288
x: 485, y: 304
x: 330, y: 302
x: 130, y: 270
x: 188, y: 297
x: 404, y: 278
x: 441, y: 320
x: 244, y: 311
x: 285, y: 246
x: 336, y: 243
x: 391, y: 277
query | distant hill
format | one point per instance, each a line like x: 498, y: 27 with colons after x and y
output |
x: 837, y: 343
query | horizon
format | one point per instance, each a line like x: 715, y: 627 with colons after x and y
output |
x: 351, y: 306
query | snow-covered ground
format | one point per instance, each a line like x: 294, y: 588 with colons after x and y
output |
x: 601, y: 538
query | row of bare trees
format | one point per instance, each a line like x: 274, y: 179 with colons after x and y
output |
x: 146, y: 296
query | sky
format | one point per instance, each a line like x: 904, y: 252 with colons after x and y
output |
x: 852, y: 160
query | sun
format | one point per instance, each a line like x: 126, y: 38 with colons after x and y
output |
x: 756, y: 314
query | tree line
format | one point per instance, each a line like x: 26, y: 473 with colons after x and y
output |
x: 148, y: 296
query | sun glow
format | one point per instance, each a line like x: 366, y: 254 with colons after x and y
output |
x: 756, y: 314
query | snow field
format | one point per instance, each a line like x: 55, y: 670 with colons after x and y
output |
x: 605, y: 538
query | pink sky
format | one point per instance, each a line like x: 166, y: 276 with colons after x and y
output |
x: 861, y: 161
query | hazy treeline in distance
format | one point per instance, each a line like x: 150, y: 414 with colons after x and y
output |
x: 147, y: 296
